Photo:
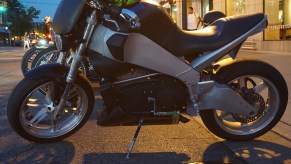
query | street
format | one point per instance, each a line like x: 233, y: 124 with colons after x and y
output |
x: 182, y: 143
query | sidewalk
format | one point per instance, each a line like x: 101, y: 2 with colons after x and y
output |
x: 261, y: 52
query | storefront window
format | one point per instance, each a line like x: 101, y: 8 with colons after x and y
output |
x: 207, y: 5
x: 279, y: 19
x: 174, y: 8
x: 235, y: 7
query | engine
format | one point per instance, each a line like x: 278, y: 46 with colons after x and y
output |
x: 160, y: 94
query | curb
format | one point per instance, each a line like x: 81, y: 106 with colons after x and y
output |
x: 265, y: 52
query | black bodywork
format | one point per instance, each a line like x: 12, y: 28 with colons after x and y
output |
x: 155, y: 22
x: 116, y: 46
x: 67, y: 15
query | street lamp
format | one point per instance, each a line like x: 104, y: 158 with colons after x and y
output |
x: 8, y: 35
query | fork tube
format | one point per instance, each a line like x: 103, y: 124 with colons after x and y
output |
x: 91, y: 22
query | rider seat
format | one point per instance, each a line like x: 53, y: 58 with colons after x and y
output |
x: 216, y: 35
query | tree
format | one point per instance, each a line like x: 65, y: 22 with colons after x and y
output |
x: 20, y: 17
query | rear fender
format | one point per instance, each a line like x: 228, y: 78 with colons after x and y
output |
x: 229, y: 66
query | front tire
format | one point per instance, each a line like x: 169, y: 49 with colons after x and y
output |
x: 27, y: 59
x: 261, y: 85
x: 33, y: 101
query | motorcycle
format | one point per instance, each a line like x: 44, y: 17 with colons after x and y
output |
x: 154, y: 73
x: 37, y: 45
x: 32, y: 53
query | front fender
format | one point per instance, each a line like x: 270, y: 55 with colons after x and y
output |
x: 55, y: 70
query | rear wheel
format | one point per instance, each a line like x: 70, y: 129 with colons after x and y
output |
x: 33, y: 102
x: 259, y: 84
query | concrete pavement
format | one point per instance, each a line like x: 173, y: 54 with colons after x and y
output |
x: 273, y: 147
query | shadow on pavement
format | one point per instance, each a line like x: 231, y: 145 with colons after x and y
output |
x: 59, y: 152
x: 160, y: 157
x: 253, y: 151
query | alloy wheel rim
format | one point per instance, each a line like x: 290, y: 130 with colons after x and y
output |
x: 37, y: 111
x: 271, y: 97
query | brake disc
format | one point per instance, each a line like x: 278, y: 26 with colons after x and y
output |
x: 256, y: 100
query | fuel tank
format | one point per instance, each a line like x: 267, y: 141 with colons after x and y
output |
x: 155, y: 22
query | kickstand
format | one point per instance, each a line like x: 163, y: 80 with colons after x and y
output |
x: 134, y: 138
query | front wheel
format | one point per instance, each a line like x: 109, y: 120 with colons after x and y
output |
x: 259, y: 84
x: 27, y: 59
x: 32, y: 104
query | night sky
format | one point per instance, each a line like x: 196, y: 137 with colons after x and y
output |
x: 46, y: 7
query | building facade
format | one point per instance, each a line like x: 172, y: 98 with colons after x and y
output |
x: 277, y: 36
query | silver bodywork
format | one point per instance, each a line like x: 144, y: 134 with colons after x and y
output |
x: 98, y: 40
x: 221, y: 96
x: 142, y: 51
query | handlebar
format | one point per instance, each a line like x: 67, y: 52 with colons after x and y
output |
x: 115, y: 12
x: 127, y: 15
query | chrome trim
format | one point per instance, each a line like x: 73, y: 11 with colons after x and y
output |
x: 135, y: 78
x: 130, y: 17
x: 53, y: 34
x: 91, y: 22
x: 108, y: 19
x: 59, y: 42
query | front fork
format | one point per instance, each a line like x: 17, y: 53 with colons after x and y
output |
x: 73, y: 72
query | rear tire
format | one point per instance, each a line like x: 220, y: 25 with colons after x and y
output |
x: 32, y: 102
x: 271, y: 108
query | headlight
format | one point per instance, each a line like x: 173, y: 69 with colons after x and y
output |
x: 42, y: 42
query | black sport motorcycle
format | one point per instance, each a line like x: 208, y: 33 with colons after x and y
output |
x: 154, y: 73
